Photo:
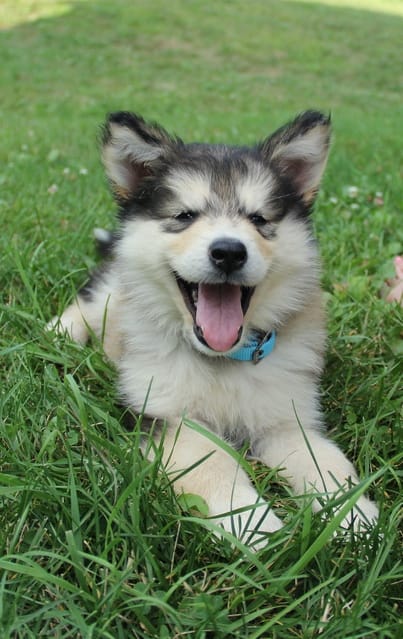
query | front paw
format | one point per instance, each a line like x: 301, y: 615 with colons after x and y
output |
x: 249, y: 520
x: 362, y: 517
x: 70, y: 323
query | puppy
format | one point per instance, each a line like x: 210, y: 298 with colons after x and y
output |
x: 210, y: 307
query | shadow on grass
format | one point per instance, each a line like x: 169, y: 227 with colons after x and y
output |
x: 175, y: 60
x: 228, y: 71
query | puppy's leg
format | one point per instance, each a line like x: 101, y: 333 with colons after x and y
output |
x: 319, y: 466
x: 220, y: 481
x: 72, y: 322
x: 94, y: 312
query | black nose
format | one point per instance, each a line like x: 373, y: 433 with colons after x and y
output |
x: 228, y: 254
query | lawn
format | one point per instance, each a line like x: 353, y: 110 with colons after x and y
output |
x: 93, y: 543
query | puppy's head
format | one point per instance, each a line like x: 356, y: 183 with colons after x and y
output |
x: 224, y: 229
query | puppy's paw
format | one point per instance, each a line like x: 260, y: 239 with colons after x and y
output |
x: 249, y: 521
x: 251, y: 525
x: 362, y: 517
x: 70, y: 323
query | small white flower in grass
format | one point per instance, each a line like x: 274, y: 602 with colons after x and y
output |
x: 352, y: 191
x: 378, y: 199
x: 53, y: 155
x: 83, y: 171
x: 66, y: 171
x: 53, y: 189
x: 354, y: 206
x: 333, y: 200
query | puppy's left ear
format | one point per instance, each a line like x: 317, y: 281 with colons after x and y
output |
x: 132, y: 150
x: 298, y: 152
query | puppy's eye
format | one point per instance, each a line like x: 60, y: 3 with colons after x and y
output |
x: 186, y: 216
x: 257, y: 219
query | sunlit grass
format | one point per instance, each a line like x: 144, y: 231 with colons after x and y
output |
x: 392, y: 7
x: 15, y: 12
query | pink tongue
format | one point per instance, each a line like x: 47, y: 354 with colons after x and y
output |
x: 219, y: 314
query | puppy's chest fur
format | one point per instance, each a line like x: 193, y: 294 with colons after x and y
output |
x: 238, y: 400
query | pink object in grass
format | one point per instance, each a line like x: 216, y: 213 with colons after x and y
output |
x: 399, y: 266
x: 396, y: 284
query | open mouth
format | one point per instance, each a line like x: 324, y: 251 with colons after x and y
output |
x: 218, y: 311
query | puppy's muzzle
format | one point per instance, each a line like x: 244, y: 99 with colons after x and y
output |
x: 228, y: 254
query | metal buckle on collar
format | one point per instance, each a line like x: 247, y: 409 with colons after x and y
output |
x: 256, y: 348
x: 259, y: 353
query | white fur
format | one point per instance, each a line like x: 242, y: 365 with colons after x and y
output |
x: 252, y: 190
x: 191, y: 188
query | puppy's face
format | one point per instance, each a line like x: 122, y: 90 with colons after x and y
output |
x: 217, y: 218
x: 221, y: 228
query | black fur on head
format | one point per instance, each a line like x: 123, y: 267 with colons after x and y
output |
x: 136, y: 154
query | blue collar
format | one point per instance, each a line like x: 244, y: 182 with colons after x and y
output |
x: 258, y: 346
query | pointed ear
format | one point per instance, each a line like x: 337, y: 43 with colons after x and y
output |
x: 299, y: 152
x: 131, y: 151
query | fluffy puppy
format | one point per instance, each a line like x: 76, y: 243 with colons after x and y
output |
x: 210, y: 307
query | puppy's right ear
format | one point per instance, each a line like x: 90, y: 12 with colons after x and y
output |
x: 131, y: 151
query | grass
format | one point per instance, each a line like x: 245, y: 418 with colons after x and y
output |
x: 92, y: 541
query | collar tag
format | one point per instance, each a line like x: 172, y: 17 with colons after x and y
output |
x: 255, y: 348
